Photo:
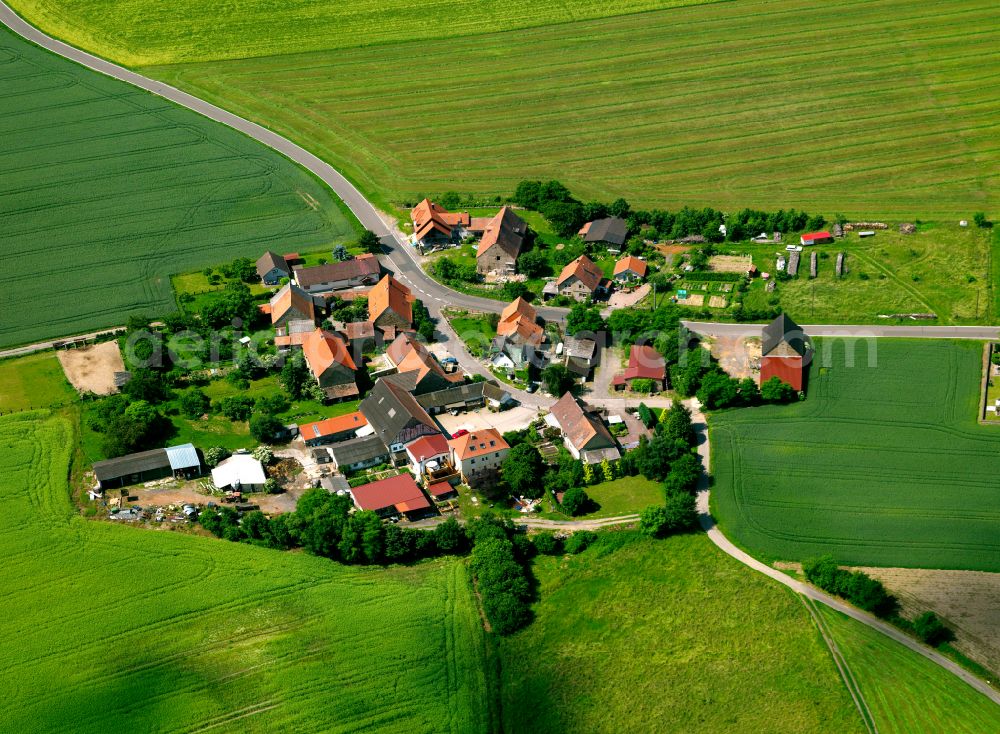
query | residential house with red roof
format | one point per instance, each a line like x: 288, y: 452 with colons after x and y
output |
x: 390, y: 304
x: 584, y: 434
x: 331, y: 365
x: 333, y: 430
x: 519, y: 336
x: 399, y: 494
x: 434, y: 225
x: 478, y: 454
x: 501, y: 243
x: 579, y: 280
x: 644, y: 363
x: 630, y: 268
x: 410, y: 357
x: 430, y: 457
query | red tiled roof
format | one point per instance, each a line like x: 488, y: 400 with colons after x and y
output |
x: 634, y: 264
x: 519, y: 317
x: 292, y: 297
x: 400, y: 492
x: 579, y: 427
x: 428, y: 216
x: 506, y: 230
x: 323, y: 349
x: 440, y: 489
x: 332, y: 426
x: 585, y: 271
x: 426, y: 447
x: 392, y: 295
x: 644, y: 362
x: 478, y: 443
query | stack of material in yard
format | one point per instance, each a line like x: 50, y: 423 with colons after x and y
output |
x: 907, y: 227
x: 840, y: 264
x: 812, y: 264
x: 793, y: 263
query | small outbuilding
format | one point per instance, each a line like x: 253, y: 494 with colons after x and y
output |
x: 240, y: 472
x: 816, y: 238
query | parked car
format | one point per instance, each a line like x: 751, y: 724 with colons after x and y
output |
x: 459, y: 433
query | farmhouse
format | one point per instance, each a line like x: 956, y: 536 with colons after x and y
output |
x: 181, y: 461
x: 611, y: 231
x: 399, y: 494
x: 630, y: 268
x: 466, y: 397
x: 291, y: 303
x: 501, y: 243
x: 433, y: 225
x: 408, y: 355
x: 585, y: 436
x: 390, y: 304
x: 240, y: 472
x: 358, y: 453
x: 331, y: 364
x: 358, y: 271
x: 333, y: 430
x: 644, y: 363
x: 478, y: 454
x: 580, y: 280
x: 816, y: 238
x: 396, y: 415
x: 272, y: 267
x: 784, y: 352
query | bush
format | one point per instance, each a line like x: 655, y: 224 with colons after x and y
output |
x: 931, y: 629
x: 271, y: 486
x: 194, y: 403
x: 547, y: 543
x: 522, y: 468
x: 643, y: 384
x: 576, y: 501
x: 236, y: 407
x: 263, y: 454
x: 579, y: 541
x: 215, y: 455
x: 502, y: 584
x: 264, y: 427
x: 857, y: 587
x: 776, y: 391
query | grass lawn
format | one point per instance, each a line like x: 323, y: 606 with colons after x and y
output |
x: 195, y: 633
x: 623, y: 496
x: 905, y: 691
x: 828, y: 125
x: 668, y: 636
x: 882, y: 465
x: 477, y: 332
x: 108, y: 190
x: 34, y: 381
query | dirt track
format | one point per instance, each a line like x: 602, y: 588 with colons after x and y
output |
x: 92, y: 369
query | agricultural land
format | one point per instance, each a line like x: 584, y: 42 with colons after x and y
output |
x: 108, y: 190
x: 194, y: 634
x: 904, y: 691
x: 653, y: 106
x: 883, y: 465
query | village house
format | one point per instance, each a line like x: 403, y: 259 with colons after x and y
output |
x: 612, y: 231
x: 390, y: 305
x: 359, y: 335
x: 359, y: 271
x: 579, y: 280
x: 519, y: 337
x: 333, y: 430
x: 585, y: 436
x: 293, y: 314
x: 239, y: 473
x: 469, y: 396
x: 644, y: 363
x: 580, y: 356
x: 331, y: 364
x: 784, y: 352
x: 363, y: 452
x: 430, y: 458
x: 434, y: 226
x: 411, y: 358
x: 272, y: 267
x: 396, y: 416
x: 501, y: 243
x: 478, y: 454
x: 630, y: 268
x: 394, y: 495
x: 182, y: 462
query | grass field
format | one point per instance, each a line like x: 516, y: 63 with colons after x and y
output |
x: 764, y: 104
x: 669, y: 636
x: 119, y: 629
x: 880, y: 466
x: 906, y: 692
x: 943, y: 269
x: 34, y: 381
x: 108, y: 190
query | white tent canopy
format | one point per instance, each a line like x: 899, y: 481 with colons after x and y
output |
x: 239, y: 470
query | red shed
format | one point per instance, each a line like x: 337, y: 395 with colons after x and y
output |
x: 784, y: 348
x: 816, y: 238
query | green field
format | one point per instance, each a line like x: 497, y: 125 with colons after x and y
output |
x: 108, y: 190
x: 34, y: 381
x: 118, y: 629
x: 881, y: 466
x: 765, y: 104
x: 905, y: 692
x: 668, y: 636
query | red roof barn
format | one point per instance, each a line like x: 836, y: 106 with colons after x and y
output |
x: 784, y: 348
x: 816, y: 238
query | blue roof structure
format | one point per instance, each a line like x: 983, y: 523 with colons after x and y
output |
x: 184, y: 456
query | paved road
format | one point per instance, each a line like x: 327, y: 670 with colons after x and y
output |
x: 723, y: 543
x: 403, y: 261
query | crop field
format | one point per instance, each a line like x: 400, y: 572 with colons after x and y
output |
x: 120, y: 629
x: 763, y: 104
x: 668, y: 636
x: 882, y: 465
x: 942, y: 269
x: 107, y: 190
x: 906, y: 692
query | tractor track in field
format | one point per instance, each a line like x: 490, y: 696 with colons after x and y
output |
x: 409, y: 270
